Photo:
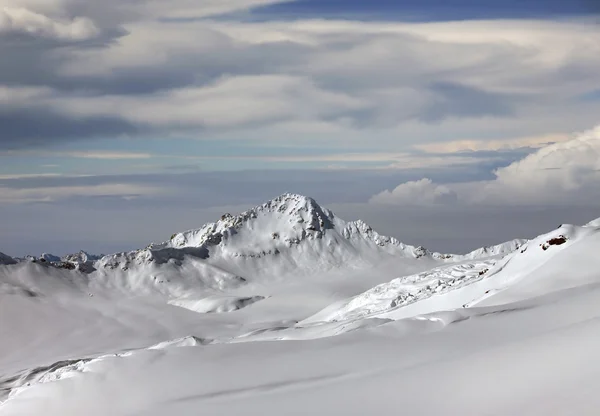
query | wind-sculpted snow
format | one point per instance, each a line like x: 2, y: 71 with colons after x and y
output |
x: 216, y: 304
x: 13, y: 386
x: 536, y: 267
x: 562, y: 259
x: 406, y: 290
x: 522, y: 259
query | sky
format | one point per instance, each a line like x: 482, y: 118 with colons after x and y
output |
x: 452, y: 123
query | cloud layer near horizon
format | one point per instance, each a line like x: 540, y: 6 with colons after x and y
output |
x: 564, y: 173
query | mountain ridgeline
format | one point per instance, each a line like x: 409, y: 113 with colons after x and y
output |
x: 290, y: 234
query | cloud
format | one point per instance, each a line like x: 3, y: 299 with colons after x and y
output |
x: 231, y: 102
x: 205, y: 76
x: 564, y: 173
x: 457, y: 100
x: 50, y: 194
x: 492, y: 145
x: 28, y: 175
x: 421, y: 192
x: 39, y: 127
x: 27, y: 122
x: 23, y: 21
x: 207, y: 189
x: 93, y: 154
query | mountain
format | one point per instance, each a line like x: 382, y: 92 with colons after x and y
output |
x: 144, y: 328
x: 218, y: 266
x: 292, y: 228
x: 49, y: 258
x: 537, y: 267
x: 490, y: 251
x: 4, y: 259
x: 289, y: 235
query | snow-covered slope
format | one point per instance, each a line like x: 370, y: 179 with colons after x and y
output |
x: 227, y: 265
x: 145, y: 332
x: 404, y: 291
x: 491, y: 251
x: 564, y: 258
x: 594, y: 223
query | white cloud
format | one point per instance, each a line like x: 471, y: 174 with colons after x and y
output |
x: 28, y: 175
x: 492, y: 145
x: 421, y: 192
x: 22, y: 20
x: 103, y: 155
x: 11, y: 96
x: 194, y: 9
x: 49, y: 194
x: 384, y: 160
x: 565, y: 173
x: 228, y: 103
x: 381, y: 86
x: 351, y: 74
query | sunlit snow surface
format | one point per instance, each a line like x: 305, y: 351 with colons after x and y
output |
x: 286, y: 309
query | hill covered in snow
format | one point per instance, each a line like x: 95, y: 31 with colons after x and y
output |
x: 544, y: 264
x: 291, y: 235
x: 173, y: 327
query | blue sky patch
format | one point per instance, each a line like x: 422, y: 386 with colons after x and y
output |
x: 426, y: 10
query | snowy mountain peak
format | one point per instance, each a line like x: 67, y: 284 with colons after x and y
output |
x: 289, y: 217
x: 81, y: 257
x: 291, y: 204
x: 300, y: 210
x: 359, y: 227
x: 5, y: 259
x: 49, y: 257
x: 288, y: 234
